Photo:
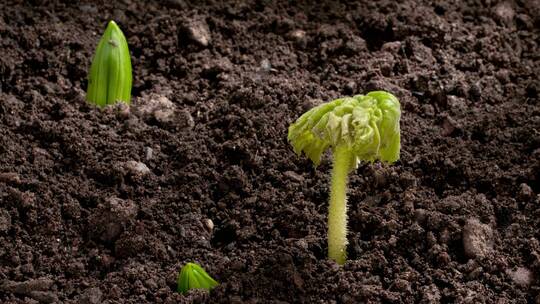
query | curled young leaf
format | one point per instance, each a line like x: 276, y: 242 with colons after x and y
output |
x: 368, y: 125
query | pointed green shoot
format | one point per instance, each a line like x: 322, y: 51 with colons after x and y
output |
x: 359, y: 128
x: 193, y: 276
x: 109, y: 80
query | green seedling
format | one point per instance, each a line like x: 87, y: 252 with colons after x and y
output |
x: 192, y: 276
x: 109, y: 80
x: 359, y: 128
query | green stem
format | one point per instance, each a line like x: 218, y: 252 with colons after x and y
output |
x: 337, y: 211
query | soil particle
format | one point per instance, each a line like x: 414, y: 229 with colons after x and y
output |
x: 525, y: 192
x: 299, y: 36
x: 449, y: 126
x: 27, y: 286
x: 35, y: 289
x: 392, y: 47
x: 197, y: 30
x: 430, y: 294
x: 477, y: 239
x: 10, y: 177
x: 5, y: 220
x: 217, y: 69
x: 44, y: 296
x: 294, y: 176
x: 408, y: 180
x: 91, y: 295
x: 156, y: 107
x: 521, y: 276
x: 504, y: 12
x: 209, y: 225
x: 111, y: 218
x: 136, y: 168
x: 148, y: 153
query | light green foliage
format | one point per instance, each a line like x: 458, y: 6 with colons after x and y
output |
x: 359, y: 128
x: 109, y: 80
x: 367, y: 124
x: 192, y: 276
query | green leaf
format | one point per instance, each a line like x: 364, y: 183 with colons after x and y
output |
x: 193, y: 276
x: 367, y: 124
x: 109, y: 80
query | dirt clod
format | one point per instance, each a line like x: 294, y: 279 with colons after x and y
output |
x: 111, y: 218
x: 136, y: 168
x: 198, y: 32
x: 5, y: 220
x: 477, y: 238
x: 155, y: 107
x: 92, y: 295
x: 27, y: 287
x: 525, y: 192
x: 10, y: 177
x: 504, y: 12
x: 521, y: 276
x: 294, y: 176
x: 209, y: 224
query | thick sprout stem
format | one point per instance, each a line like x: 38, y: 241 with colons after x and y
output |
x: 337, y: 212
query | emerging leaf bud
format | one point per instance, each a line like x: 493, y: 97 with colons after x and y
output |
x: 193, y: 276
x: 109, y: 80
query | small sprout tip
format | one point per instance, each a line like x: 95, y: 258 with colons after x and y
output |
x: 110, y: 79
x: 193, y: 276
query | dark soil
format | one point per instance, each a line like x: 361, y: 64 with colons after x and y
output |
x: 107, y: 205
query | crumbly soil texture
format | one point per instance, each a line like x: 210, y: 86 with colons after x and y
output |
x: 106, y: 205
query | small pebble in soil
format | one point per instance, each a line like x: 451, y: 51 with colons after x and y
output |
x: 504, y: 12
x: 391, y: 47
x: 521, y: 276
x: 299, y: 37
x: 477, y: 238
x: 350, y: 88
x: 148, y: 153
x: 136, y: 168
x: 265, y: 66
x: 157, y: 107
x: 198, y: 31
x: 209, y: 224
